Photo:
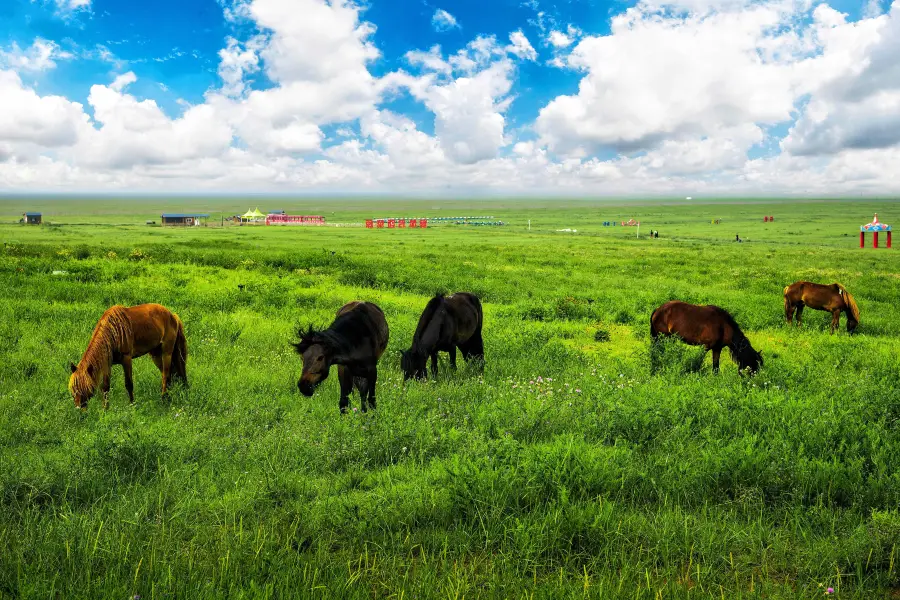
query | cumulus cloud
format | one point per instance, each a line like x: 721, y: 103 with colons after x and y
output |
x: 677, y: 124
x: 30, y: 119
x: 443, y: 21
x: 857, y: 102
x: 520, y: 46
x: 41, y: 56
x: 643, y: 83
x: 558, y: 39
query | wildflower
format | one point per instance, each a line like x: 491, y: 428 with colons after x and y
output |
x: 577, y: 390
x: 829, y: 591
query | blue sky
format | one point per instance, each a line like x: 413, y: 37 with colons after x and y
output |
x: 609, y: 110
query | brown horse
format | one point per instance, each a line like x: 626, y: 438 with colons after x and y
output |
x: 447, y: 323
x: 354, y: 341
x: 121, y: 335
x: 832, y: 298
x: 708, y: 326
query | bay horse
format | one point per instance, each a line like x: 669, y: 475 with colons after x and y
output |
x: 354, y: 341
x: 832, y: 298
x: 121, y: 335
x: 709, y: 326
x: 447, y: 323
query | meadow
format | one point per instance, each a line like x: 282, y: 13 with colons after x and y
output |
x: 567, y: 470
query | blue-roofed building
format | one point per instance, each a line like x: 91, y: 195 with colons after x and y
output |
x: 183, y: 219
x: 32, y: 218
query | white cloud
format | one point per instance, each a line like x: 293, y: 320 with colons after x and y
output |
x: 30, y: 119
x: 235, y: 63
x: 70, y: 6
x: 643, y: 83
x: 682, y: 125
x: 443, y: 21
x: 41, y: 56
x: 122, y: 81
x: 558, y: 39
x: 468, y: 109
x: 520, y: 46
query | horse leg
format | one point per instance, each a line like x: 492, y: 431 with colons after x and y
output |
x: 716, y: 352
x: 799, y: 314
x: 655, y: 351
x: 372, y: 378
x: 345, y: 377
x: 129, y: 382
x: 104, y: 387
x: 452, y: 353
x: 434, y: 361
x: 835, y: 320
x: 789, y: 311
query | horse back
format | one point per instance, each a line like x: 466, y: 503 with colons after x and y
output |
x: 152, y: 325
x: 695, y: 324
x: 465, y: 308
x: 368, y: 322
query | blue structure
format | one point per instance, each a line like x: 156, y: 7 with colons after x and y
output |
x: 184, y: 219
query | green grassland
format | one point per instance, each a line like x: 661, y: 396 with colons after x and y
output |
x: 567, y: 470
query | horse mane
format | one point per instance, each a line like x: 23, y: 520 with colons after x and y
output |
x: 851, y: 302
x: 740, y: 347
x: 336, y: 337
x: 112, y: 332
x: 427, y: 315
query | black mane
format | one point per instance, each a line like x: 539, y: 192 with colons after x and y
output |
x: 427, y: 315
x: 339, y: 337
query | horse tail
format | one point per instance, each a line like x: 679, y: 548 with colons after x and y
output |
x: 180, y: 353
x: 653, y: 333
x: 851, y: 302
x: 474, y: 346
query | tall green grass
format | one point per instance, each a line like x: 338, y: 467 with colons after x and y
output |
x: 566, y: 470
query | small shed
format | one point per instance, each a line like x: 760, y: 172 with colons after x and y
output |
x: 32, y: 218
x: 182, y: 219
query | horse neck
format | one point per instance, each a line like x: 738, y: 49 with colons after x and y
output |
x: 423, y: 344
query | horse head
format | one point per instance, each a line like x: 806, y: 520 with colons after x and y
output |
x: 317, y: 356
x: 413, y: 365
x: 81, y: 385
x: 751, y: 360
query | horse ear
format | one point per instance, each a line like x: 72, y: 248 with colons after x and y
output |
x: 73, y: 367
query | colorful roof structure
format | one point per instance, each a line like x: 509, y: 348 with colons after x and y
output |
x: 254, y: 214
x: 875, y: 226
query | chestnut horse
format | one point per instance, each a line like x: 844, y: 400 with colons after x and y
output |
x: 447, y: 323
x: 832, y: 298
x: 708, y: 326
x: 354, y: 341
x: 121, y: 335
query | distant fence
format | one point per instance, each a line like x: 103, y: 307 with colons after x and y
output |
x: 396, y: 223
x: 277, y: 219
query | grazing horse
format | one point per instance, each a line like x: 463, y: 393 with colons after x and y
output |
x: 447, y: 323
x: 830, y: 298
x: 708, y: 326
x: 354, y: 341
x: 121, y: 335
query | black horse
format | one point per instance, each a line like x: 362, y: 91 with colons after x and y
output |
x: 446, y: 324
x: 354, y: 341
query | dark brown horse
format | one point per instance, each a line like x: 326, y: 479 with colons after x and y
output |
x: 121, y: 335
x: 447, y: 323
x: 354, y: 341
x: 708, y: 326
x: 829, y: 298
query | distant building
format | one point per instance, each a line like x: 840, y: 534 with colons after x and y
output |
x: 32, y: 218
x: 183, y: 219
